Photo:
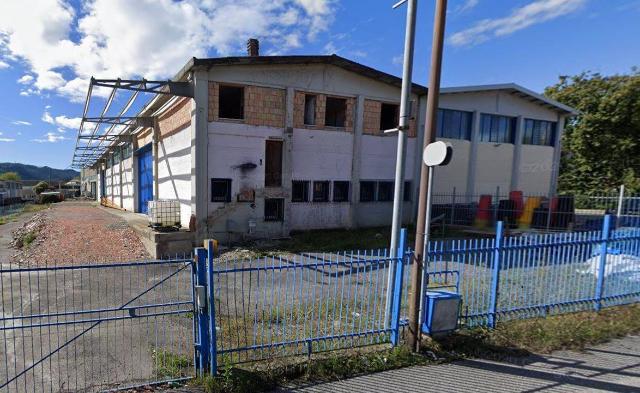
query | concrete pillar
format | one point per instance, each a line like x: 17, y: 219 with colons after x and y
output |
x: 120, y: 166
x: 557, y: 150
x: 473, y: 157
x: 155, y: 138
x: 356, y: 159
x: 200, y: 153
x: 517, y: 155
x: 287, y: 159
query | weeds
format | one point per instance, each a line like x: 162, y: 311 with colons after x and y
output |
x: 170, y: 365
x: 509, y: 340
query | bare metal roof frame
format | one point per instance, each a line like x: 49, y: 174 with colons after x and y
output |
x: 98, y: 133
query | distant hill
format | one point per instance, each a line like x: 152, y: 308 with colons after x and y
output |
x: 32, y: 172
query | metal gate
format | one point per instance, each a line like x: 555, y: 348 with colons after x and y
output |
x: 96, y: 327
x: 145, y: 177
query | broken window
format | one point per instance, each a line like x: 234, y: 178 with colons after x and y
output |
x: 220, y: 190
x: 388, y: 116
x: 274, y: 209
x: 341, y: 191
x: 321, y: 191
x: 299, y: 191
x: 231, y: 102
x: 367, y: 191
x: 385, y: 191
x: 310, y: 110
x: 336, y: 112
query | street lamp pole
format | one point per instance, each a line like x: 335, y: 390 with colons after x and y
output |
x: 430, y: 135
x: 403, y: 127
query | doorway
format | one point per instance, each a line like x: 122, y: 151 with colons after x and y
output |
x: 273, y: 164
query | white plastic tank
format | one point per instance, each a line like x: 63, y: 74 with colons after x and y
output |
x: 164, y: 214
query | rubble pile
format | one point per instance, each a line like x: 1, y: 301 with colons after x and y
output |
x: 30, y: 234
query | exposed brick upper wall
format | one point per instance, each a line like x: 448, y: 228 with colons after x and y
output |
x: 371, y: 125
x: 263, y: 106
x: 321, y: 105
x: 176, y: 118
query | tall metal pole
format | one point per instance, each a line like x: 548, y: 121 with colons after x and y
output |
x: 429, y: 137
x: 403, y: 127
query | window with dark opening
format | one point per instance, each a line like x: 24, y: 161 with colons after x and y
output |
x: 336, y: 112
x: 309, y: 109
x: 274, y: 209
x: 407, y: 191
x: 220, y: 190
x: 367, y: 191
x: 231, y: 102
x: 341, y: 191
x: 299, y: 191
x: 320, y: 191
x: 385, y: 191
x: 388, y: 116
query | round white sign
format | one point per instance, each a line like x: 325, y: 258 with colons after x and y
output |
x: 437, y: 153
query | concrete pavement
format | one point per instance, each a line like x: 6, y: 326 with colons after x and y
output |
x: 610, y: 367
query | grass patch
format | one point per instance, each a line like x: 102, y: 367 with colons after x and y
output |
x: 330, y: 240
x: 170, y: 365
x: 509, y: 340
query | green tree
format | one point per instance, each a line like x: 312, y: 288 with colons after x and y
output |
x: 14, y: 176
x: 41, y: 187
x: 600, y: 146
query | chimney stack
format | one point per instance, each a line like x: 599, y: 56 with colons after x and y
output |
x: 253, y: 47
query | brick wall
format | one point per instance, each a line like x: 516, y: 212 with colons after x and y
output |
x: 263, y: 106
x: 176, y: 118
x: 321, y: 104
x: 371, y: 125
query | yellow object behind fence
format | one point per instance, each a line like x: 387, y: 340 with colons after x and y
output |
x: 527, y: 214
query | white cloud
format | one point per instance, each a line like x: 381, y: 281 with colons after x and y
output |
x: 61, y: 121
x: 520, y: 18
x: 468, y: 5
x: 3, y: 65
x: 25, y: 79
x: 6, y: 139
x: 397, y: 60
x: 21, y: 123
x: 68, y: 122
x: 47, y: 118
x: 50, y: 137
x: 63, y: 47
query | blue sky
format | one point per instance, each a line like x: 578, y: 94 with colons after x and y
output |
x: 49, y: 49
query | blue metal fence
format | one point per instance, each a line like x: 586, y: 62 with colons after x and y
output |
x: 95, y: 327
x: 297, y: 304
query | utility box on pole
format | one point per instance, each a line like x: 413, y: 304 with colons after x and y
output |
x: 441, y: 310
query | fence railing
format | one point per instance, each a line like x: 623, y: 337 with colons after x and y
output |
x: 534, y: 275
x: 568, y: 211
x: 298, y: 304
x: 95, y: 327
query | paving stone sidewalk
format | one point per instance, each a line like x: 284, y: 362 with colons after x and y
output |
x: 611, y: 367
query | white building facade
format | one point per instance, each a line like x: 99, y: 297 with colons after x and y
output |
x: 269, y: 145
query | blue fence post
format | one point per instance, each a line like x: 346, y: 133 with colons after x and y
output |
x: 212, y: 250
x: 397, y: 288
x: 201, y: 312
x: 606, y: 227
x: 495, y: 274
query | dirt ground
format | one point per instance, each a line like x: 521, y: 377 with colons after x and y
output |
x: 78, y: 232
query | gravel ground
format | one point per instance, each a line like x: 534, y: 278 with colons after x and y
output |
x: 78, y: 232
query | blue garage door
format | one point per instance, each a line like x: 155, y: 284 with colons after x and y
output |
x: 145, y: 177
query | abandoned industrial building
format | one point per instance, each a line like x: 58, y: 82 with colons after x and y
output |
x: 259, y: 146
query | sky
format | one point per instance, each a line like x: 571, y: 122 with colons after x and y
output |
x: 49, y: 49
